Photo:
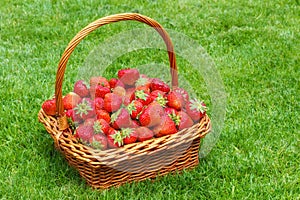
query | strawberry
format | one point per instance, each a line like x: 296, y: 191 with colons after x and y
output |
x: 127, y: 98
x: 99, y: 80
x: 134, y: 109
x: 98, y: 103
x: 134, y: 124
x: 130, y: 135
x: 128, y: 76
x: 183, y: 93
x: 142, y: 96
x: 121, y: 119
x: 49, y: 107
x: 154, y: 94
x: 114, y: 138
x: 169, y: 110
x: 166, y: 127
x: 89, y: 122
x: 119, y: 91
x: 157, y: 84
x: 101, y: 126
x: 84, y: 132
x: 113, y: 82
x: 185, y: 120
x: 175, y: 100
x: 143, y: 83
x: 70, y: 114
x: 103, y: 114
x: 71, y: 100
x: 101, y: 91
x: 144, y: 133
x: 98, y: 141
x: 112, y: 102
x: 85, y: 109
x: 151, y: 115
x: 81, y: 88
x: 70, y: 118
x: 196, y: 109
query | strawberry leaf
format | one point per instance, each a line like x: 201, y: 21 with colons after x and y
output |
x: 97, y: 127
x: 198, y: 105
x: 114, y: 116
x: 140, y: 94
x: 131, y: 107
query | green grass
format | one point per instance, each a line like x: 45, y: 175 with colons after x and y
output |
x: 255, y: 46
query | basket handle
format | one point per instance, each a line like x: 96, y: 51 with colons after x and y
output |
x: 91, y: 27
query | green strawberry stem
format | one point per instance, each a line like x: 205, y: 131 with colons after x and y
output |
x: 161, y: 100
x: 140, y: 94
x: 198, y: 105
x: 97, y: 127
x: 83, y: 108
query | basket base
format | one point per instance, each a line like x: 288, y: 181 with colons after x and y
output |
x: 161, y: 153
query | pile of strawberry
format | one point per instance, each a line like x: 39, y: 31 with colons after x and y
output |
x: 128, y: 109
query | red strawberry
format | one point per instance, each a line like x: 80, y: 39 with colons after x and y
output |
x: 185, y: 120
x: 175, y: 100
x: 94, y: 82
x: 135, y: 108
x: 114, y: 138
x: 196, y: 109
x: 119, y: 91
x: 72, y: 117
x: 71, y: 100
x: 70, y: 114
x: 151, y: 115
x: 49, y: 107
x: 98, y: 141
x: 127, y: 98
x: 128, y: 76
x: 112, y: 102
x: 98, y: 103
x: 121, y: 119
x: 113, y: 82
x: 142, y: 96
x: 169, y: 110
x: 166, y: 127
x: 85, y: 109
x: 99, y: 80
x: 101, y: 126
x: 81, y: 88
x: 84, y: 132
x: 130, y: 135
x: 89, y: 122
x: 143, y: 83
x: 157, y: 84
x: 103, y: 114
x: 144, y: 133
x: 154, y: 94
x: 101, y: 91
x: 134, y: 124
x: 183, y: 93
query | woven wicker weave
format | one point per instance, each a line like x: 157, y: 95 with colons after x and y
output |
x: 133, y: 162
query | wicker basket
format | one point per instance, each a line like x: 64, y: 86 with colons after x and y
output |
x: 133, y: 162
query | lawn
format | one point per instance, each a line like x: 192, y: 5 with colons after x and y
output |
x: 255, y: 47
